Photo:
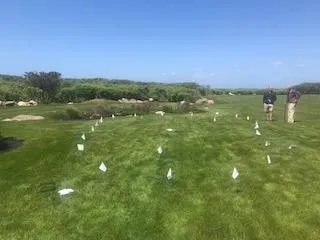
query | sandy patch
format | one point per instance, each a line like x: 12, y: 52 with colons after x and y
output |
x: 23, y: 118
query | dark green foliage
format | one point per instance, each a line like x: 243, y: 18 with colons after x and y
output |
x: 49, y: 82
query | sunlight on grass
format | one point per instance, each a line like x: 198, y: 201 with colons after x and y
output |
x: 134, y: 200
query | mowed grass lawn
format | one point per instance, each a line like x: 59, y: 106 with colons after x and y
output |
x: 133, y: 199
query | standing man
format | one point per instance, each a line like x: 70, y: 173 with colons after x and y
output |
x: 269, y: 99
x: 293, y: 97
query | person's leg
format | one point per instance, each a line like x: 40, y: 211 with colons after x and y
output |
x: 291, y: 108
x: 265, y: 108
x: 270, y: 111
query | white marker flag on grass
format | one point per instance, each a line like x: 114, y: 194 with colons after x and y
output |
x: 217, y: 113
x: 112, y: 116
x: 80, y: 147
x: 248, y: 118
x: 65, y: 191
x: 237, y: 115
x: 103, y: 167
x: 83, y: 136
x: 191, y: 114
x: 101, y: 120
x: 214, y: 119
x: 169, y: 174
x: 97, y: 123
x: 169, y: 129
x: 268, y: 159
x: 256, y: 125
x: 135, y: 115
x: 160, y: 150
x: 292, y: 146
x: 258, y: 133
x: 267, y: 144
x: 92, y: 129
x: 235, y: 173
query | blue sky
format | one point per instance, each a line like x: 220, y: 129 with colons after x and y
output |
x: 240, y: 43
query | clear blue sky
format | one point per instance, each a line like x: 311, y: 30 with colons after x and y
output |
x: 239, y: 43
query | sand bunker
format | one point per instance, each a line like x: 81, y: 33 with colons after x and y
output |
x: 23, y: 118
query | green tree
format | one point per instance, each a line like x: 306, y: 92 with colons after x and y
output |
x: 48, y: 82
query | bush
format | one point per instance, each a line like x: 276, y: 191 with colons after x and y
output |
x: 67, y: 114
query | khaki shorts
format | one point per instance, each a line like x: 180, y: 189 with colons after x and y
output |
x: 268, y: 107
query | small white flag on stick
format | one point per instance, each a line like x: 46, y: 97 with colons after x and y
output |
x: 235, y: 173
x: 169, y: 174
x: 248, y: 118
x: 256, y: 125
x: 97, y: 123
x: 103, y: 167
x: 135, y: 115
x: 80, y: 147
x: 113, y: 116
x: 65, y: 191
x: 83, y: 136
x: 237, y: 115
x: 169, y: 129
x: 258, y: 133
x: 214, y: 119
x: 101, y: 120
x: 217, y: 113
x: 268, y: 159
x: 92, y: 129
x: 292, y: 146
x: 267, y: 144
x: 160, y: 150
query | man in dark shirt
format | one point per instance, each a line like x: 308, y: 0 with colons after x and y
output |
x: 269, y: 99
x: 293, y: 97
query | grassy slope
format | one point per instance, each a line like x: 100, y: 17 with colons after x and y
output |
x: 131, y: 201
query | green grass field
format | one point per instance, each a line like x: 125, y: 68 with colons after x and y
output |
x: 133, y: 200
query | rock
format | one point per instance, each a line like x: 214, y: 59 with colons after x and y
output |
x: 150, y: 99
x: 33, y: 103
x: 210, y: 102
x: 23, y: 104
x: 70, y: 103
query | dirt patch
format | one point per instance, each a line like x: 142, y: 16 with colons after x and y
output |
x: 23, y: 118
x: 9, y: 143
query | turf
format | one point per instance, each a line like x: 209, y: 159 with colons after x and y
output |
x: 133, y: 199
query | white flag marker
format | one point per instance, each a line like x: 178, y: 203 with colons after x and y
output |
x: 214, y: 119
x: 101, y: 120
x: 169, y: 174
x: 191, y: 114
x: 256, y: 125
x: 268, y: 159
x: 113, y: 116
x: 258, y: 133
x: 237, y: 115
x: 248, y: 118
x: 65, y: 191
x: 160, y: 150
x: 169, y: 129
x: 217, y: 113
x: 235, y: 173
x: 97, y: 123
x: 83, y: 136
x: 103, y: 167
x: 80, y: 147
x: 92, y: 129
x: 267, y: 144
x: 135, y: 115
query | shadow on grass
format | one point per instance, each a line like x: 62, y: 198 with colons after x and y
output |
x: 9, y: 143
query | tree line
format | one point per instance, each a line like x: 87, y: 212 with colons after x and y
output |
x: 47, y: 87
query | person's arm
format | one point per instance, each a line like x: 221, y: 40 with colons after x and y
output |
x: 264, y: 98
